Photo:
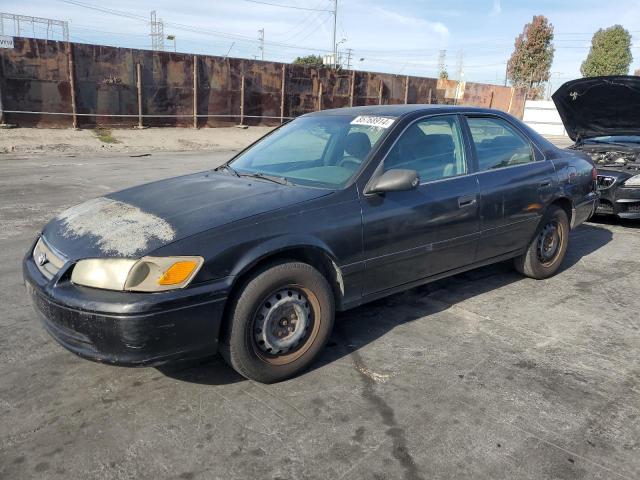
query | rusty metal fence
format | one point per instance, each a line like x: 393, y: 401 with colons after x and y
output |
x: 61, y: 84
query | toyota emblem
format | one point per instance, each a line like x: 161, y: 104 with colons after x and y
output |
x: 42, y: 259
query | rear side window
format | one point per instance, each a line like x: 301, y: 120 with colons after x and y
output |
x: 498, y: 144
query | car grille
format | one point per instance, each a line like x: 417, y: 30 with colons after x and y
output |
x: 605, y: 182
x: 47, y: 260
x: 605, y: 206
x: 633, y: 208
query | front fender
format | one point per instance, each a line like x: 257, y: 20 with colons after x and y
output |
x: 278, y: 245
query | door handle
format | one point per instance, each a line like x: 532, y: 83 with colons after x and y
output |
x: 466, y: 201
x: 545, y: 184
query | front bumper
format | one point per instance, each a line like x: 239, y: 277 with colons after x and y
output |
x: 621, y: 201
x: 126, y: 328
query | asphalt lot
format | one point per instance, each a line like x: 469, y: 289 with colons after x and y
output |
x: 485, y: 375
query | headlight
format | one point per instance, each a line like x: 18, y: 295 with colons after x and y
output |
x: 149, y: 274
x: 633, y: 181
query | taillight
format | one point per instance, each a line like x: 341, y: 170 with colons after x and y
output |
x: 594, y: 174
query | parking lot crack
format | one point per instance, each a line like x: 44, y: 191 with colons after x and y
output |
x: 399, y: 447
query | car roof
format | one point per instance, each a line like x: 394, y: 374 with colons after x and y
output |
x: 401, y: 110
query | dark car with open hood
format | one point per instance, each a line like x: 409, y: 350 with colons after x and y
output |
x: 602, y: 117
x: 330, y: 211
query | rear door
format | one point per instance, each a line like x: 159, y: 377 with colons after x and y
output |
x: 515, y: 182
x: 414, y: 234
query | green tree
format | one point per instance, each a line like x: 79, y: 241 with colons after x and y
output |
x: 610, y: 53
x: 530, y: 62
x: 309, y: 61
x: 443, y: 75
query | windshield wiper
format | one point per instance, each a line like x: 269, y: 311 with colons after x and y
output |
x: 228, y: 168
x: 264, y: 176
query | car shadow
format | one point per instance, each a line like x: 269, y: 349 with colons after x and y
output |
x: 356, y: 328
x: 210, y: 370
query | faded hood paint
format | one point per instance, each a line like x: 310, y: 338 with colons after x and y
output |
x: 133, y: 222
x: 599, y: 106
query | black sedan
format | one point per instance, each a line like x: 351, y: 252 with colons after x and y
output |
x: 601, y: 115
x: 327, y: 212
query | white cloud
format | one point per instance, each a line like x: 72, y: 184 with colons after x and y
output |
x: 496, y: 9
x: 413, y: 21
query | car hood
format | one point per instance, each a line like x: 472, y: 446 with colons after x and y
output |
x: 599, y: 106
x: 133, y: 222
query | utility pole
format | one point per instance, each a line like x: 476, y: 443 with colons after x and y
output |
x: 334, y: 45
x: 261, y: 47
x: 228, y: 52
x: 460, y: 65
x: 349, y: 55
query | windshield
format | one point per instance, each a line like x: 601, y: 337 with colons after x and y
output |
x: 614, y: 139
x: 320, y: 151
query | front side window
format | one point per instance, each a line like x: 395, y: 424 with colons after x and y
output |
x: 498, y: 144
x: 433, y: 147
x: 322, y: 151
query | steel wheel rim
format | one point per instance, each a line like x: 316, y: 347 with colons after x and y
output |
x: 285, y: 324
x: 549, y: 244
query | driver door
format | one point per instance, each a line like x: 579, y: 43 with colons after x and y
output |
x: 414, y: 234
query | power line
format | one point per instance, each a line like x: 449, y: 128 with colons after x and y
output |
x: 311, y: 32
x: 106, y: 10
x: 308, y: 20
x: 189, y: 28
x: 287, y: 6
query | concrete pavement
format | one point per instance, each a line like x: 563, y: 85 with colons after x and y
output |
x: 485, y: 375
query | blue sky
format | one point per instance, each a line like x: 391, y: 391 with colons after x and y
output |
x: 402, y: 36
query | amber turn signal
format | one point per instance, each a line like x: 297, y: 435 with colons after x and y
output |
x: 178, y: 272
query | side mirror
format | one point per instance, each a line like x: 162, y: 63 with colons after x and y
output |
x: 396, y: 180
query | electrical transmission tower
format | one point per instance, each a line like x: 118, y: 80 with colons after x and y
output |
x: 442, y: 63
x: 21, y: 25
x: 261, y: 39
x: 157, y: 32
x: 349, y: 56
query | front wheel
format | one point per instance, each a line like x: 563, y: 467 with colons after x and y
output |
x: 547, y: 250
x: 279, y: 322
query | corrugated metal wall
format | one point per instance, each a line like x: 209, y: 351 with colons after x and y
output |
x: 35, y: 77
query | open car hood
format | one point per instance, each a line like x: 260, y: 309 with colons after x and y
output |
x: 599, y: 106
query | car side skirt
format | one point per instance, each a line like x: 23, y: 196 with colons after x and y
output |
x: 433, y: 278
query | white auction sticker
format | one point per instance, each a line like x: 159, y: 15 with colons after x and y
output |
x: 371, y: 121
x: 6, y: 42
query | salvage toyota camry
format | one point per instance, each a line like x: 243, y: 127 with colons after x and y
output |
x: 332, y: 210
x: 601, y: 114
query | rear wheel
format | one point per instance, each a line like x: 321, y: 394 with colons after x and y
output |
x: 279, y: 322
x: 547, y: 250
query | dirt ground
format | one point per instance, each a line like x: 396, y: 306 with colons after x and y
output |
x: 486, y: 375
x: 51, y: 140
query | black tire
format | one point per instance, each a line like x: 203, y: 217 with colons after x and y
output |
x: 292, y: 292
x: 548, y: 247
